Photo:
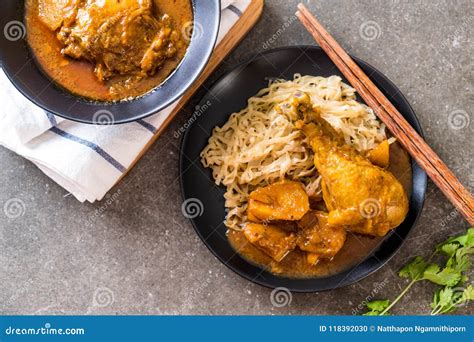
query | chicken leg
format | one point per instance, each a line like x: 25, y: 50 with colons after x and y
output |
x: 359, y: 195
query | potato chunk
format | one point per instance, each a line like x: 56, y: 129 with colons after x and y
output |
x: 53, y: 12
x: 270, y: 239
x: 380, y: 155
x: 286, y: 200
x: 318, y: 237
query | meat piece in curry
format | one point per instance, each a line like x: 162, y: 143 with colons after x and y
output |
x: 358, y: 194
x: 284, y: 200
x: 311, y: 234
x: 271, y: 239
x: 54, y: 12
x: 120, y: 37
x: 287, y: 200
x: 130, y: 45
x: 318, y: 238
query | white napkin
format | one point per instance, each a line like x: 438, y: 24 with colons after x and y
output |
x: 86, y: 160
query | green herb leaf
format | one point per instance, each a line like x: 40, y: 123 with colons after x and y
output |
x: 447, y: 300
x: 442, y: 297
x: 449, y: 249
x: 461, y: 260
x: 447, y: 276
x: 378, y: 305
x: 465, y: 240
x: 455, y: 272
x: 468, y: 293
x: 414, y: 269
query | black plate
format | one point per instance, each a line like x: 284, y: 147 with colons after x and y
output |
x: 22, y: 70
x: 230, y: 94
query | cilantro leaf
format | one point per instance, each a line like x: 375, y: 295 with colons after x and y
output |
x: 465, y: 240
x: 447, y: 276
x: 442, y: 297
x: 461, y: 260
x: 448, y: 299
x: 468, y: 241
x: 455, y: 271
x: 376, y: 307
x: 414, y: 269
x: 468, y: 293
x: 449, y: 248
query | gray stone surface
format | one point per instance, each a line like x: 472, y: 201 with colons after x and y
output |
x: 141, y: 256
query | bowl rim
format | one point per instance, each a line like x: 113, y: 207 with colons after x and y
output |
x: 422, y: 186
x: 194, y: 62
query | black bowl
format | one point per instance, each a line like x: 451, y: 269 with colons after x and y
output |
x: 229, y: 94
x: 22, y: 70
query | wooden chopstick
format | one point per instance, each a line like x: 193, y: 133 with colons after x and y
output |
x: 435, y: 168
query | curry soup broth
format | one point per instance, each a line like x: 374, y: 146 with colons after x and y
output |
x: 356, y: 248
x: 78, y: 77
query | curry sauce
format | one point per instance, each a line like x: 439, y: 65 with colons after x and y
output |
x: 58, y: 52
x: 356, y: 248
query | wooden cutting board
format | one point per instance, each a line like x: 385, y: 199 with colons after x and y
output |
x: 240, y: 29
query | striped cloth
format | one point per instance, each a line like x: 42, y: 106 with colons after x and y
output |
x: 86, y: 160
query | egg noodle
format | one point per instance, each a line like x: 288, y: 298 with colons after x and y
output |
x: 260, y: 145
